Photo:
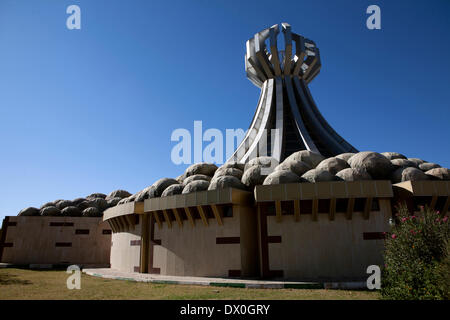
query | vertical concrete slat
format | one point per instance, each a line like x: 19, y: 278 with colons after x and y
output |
x: 158, y: 221
x: 367, y: 207
x: 125, y: 223
x: 189, y: 215
x: 116, y: 224
x: 350, y: 207
x: 145, y: 240
x: 113, y: 225
x: 263, y: 242
x: 167, y: 218
x: 278, y: 210
x: 151, y: 269
x: 202, y: 215
x: 332, y: 209
x: 131, y: 221
x: 248, y: 241
x: 177, y: 217
x: 217, y: 214
x: 122, y: 226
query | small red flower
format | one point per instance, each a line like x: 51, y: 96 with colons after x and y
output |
x: 394, y: 236
x: 445, y: 219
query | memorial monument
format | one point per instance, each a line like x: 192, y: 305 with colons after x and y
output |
x: 319, y: 214
x: 286, y: 119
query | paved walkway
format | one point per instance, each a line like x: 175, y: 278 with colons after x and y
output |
x: 219, y: 282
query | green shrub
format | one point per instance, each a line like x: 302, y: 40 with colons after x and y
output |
x: 416, y: 256
x: 445, y: 271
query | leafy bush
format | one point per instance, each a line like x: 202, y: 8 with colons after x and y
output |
x: 416, y: 256
x: 445, y: 271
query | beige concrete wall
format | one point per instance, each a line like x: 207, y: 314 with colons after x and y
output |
x: 192, y: 251
x: 327, y: 249
x: 34, y: 241
x: 124, y: 256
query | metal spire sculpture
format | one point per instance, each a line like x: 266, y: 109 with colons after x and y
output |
x: 286, y: 119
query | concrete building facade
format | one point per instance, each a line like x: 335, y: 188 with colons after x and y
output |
x: 55, y: 241
x: 320, y: 214
x: 331, y: 230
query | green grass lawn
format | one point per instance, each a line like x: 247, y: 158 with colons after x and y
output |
x: 32, y: 284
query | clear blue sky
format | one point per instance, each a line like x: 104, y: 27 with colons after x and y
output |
x: 92, y: 110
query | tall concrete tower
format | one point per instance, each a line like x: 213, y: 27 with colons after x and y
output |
x: 286, y: 118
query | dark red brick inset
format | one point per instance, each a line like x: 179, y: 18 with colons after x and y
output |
x: 12, y: 224
x: 61, y: 224
x: 157, y: 241
x: 106, y: 231
x: 7, y: 245
x: 276, y: 273
x: 135, y: 242
x: 155, y: 270
x: 274, y: 239
x: 228, y: 240
x: 234, y: 273
x: 82, y: 231
x: 374, y: 235
x: 63, y: 244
